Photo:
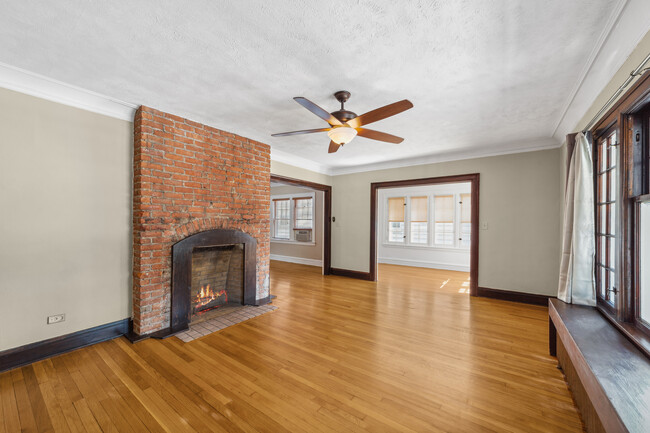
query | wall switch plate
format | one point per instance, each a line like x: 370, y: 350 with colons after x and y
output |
x: 484, y: 225
x: 56, y: 319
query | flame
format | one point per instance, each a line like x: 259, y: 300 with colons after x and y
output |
x: 207, y: 295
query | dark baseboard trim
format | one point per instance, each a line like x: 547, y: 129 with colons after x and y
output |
x: 351, y: 274
x: 507, y: 295
x: 33, y: 352
x: 161, y: 334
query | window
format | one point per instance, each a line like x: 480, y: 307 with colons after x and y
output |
x: 292, y: 218
x: 621, y: 157
x: 465, y: 219
x: 444, y: 219
x: 304, y: 217
x: 606, y: 199
x: 281, y: 218
x: 396, y: 219
x: 425, y: 219
x: 419, y: 220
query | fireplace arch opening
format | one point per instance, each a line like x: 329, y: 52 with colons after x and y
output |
x: 210, y: 270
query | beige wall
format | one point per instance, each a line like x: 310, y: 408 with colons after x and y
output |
x: 311, y: 252
x: 286, y: 170
x: 518, y: 199
x: 65, y: 220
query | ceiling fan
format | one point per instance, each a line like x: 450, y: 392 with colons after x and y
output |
x: 345, y: 125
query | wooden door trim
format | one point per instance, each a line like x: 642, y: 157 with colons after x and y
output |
x: 472, y: 178
x: 327, y: 215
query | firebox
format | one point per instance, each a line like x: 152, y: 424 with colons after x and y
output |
x: 211, y: 270
x: 217, y: 279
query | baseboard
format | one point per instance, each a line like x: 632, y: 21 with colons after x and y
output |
x: 33, y: 352
x: 422, y: 264
x: 351, y: 274
x: 507, y: 295
x: 299, y: 260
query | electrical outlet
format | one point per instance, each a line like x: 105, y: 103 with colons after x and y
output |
x: 484, y: 225
x: 56, y: 319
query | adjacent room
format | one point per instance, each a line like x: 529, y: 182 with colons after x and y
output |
x: 423, y: 216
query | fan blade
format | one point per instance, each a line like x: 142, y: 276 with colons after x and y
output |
x: 376, y: 135
x: 380, y: 113
x: 333, y: 147
x: 317, y: 111
x: 304, y: 131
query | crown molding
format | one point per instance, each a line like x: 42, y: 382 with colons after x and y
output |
x: 518, y: 147
x: 626, y: 27
x: 299, y: 162
x: 27, y: 82
x: 529, y: 146
x: 607, y: 29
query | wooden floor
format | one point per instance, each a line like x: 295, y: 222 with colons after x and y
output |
x: 411, y: 353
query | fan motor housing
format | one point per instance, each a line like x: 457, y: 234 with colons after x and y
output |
x: 343, y: 115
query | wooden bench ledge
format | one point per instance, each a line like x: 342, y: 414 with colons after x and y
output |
x: 614, y: 373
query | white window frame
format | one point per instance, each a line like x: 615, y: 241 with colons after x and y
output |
x: 430, y: 221
x: 292, y: 197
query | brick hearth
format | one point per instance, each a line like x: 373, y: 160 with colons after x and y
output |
x: 189, y: 178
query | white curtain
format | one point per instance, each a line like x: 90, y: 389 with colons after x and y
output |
x: 577, y: 285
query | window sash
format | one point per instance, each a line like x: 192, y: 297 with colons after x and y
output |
x: 281, y: 218
x: 303, y: 213
x: 444, y: 218
x: 606, y: 237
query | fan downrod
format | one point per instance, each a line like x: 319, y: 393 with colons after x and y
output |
x: 343, y: 115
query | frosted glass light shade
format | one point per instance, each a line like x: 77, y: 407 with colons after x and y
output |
x: 342, y: 134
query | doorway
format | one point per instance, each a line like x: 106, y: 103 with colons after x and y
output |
x: 413, y: 201
x: 301, y: 222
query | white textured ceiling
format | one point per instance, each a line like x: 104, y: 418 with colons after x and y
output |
x: 485, y: 76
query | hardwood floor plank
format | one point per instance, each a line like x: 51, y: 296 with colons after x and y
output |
x: 409, y: 353
x: 60, y: 421
x: 10, y: 414
x: 27, y: 421
x: 86, y: 416
x: 125, y: 394
x: 39, y: 408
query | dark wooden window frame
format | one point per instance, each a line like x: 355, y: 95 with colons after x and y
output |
x: 632, y: 183
x: 327, y: 215
x: 602, y: 180
x: 473, y: 179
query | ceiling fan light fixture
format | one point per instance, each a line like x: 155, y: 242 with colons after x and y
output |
x: 342, y: 134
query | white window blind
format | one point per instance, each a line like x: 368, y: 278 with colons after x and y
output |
x: 419, y: 220
x: 444, y: 219
x: 396, y: 219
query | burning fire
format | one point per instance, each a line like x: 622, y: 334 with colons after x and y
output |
x: 206, y: 295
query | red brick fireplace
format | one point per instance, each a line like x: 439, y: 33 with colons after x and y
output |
x: 190, y: 178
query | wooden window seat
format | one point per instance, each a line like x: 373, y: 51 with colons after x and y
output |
x: 609, y: 376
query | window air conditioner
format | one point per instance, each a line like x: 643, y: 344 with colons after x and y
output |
x: 303, y: 235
